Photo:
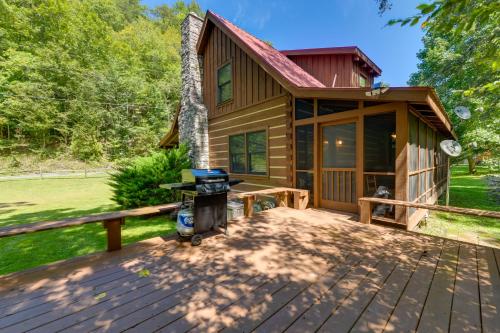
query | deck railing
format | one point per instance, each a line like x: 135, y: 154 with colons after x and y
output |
x: 367, y: 204
x: 113, y: 221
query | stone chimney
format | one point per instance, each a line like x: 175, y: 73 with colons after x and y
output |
x: 193, y: 115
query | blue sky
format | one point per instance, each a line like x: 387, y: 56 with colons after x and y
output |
x: 293, y: 24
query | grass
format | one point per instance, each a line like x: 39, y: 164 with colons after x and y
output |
x: 468, y: 191
x: 27, y: 201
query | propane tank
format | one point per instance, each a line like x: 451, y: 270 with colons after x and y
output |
x: 185, y: 222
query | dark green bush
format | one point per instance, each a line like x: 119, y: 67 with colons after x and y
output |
x: 136, y: 184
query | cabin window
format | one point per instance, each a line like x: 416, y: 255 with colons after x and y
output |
x: 224, y: 83
x: 256, y: 152
x: 329, y: 106
x: 304, y: 108
x: 362, y: 80
x: 248, y: 153
x: 237, y: 153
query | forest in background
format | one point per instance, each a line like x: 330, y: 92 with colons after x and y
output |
x: 87, y: 79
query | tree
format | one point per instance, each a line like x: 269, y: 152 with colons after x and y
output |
x: 101, y: 69
x: 460, y: 59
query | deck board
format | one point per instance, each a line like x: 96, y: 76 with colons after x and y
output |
x: 466, y: 315
x: 406, y: 314
x: 437, y: 309
x: 489, y: 280
x: 376, y: 315
x: 282, y: 270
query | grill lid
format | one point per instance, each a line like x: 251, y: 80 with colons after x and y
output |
x: 204, y: 175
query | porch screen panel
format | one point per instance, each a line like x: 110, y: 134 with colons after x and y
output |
x: 338, y: 177
x: 339, y: 146
x: 422, y: 142
x: 379, y: 155
x: 304, y: 158
x: 380, y: 143
x: 413, y: 138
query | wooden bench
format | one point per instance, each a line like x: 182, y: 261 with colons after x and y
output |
x: 111, y: 221
x: 366, y: 205
x: 284, y: 196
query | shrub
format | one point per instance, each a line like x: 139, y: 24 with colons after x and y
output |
x: 136, y: 183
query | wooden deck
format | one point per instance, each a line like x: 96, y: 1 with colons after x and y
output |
x: 282, y: 270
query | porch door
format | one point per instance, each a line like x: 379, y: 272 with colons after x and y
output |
x: 338, y: 166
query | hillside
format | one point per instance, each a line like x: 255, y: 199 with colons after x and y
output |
x: 89, y: 79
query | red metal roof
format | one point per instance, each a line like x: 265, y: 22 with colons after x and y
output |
x: 267, y: 55
x: 335, y: 50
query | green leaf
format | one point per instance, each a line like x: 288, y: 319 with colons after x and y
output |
x: 422, y: 6
x: 144, y: 273
x: 405, y: 22
x: 428, y: 9
x: 100, y: 296
x: 415, y: 20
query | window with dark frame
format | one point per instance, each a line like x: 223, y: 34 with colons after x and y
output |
x: 237, y: 155
x: 331, y: 106
x: 224, y: 83
x: 248, y: 153
x: 304, y: 108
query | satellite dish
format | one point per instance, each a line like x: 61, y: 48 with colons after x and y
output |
x: 473, y: 144
x: 480, y: 109
x: 378, y: 88
x: 462, y: 112
x: 451, y: 147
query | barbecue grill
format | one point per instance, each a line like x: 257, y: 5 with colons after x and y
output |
x: 204, y: 202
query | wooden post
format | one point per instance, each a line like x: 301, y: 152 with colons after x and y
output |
x: 114, y: 233
x: 248, y: 201
x: 402, y: 153
x: 448, y: 175
x: 300, y: 199
x: 365, y: 214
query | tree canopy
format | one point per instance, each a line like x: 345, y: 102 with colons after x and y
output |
x: 461, y: 59
x: 99, y: 78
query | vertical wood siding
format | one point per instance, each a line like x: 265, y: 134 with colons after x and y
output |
x: 324, y: 68
x: 251, y: 84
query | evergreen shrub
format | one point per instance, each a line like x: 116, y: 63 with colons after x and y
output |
x: 136, y: 183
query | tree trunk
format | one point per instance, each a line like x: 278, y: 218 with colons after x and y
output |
x: 472, y: 164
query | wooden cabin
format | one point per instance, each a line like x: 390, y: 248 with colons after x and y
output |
x: 303, y: 119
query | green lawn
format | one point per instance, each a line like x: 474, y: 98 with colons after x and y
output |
x: 26, y: 201
x: 469, y: 191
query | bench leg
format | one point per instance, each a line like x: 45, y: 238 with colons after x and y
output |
x: 300, y: 199
x: 365, y: 212
x: 248, y: 201
x: 114, y: 231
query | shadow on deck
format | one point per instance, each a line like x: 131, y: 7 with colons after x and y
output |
x: 281, y: 270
